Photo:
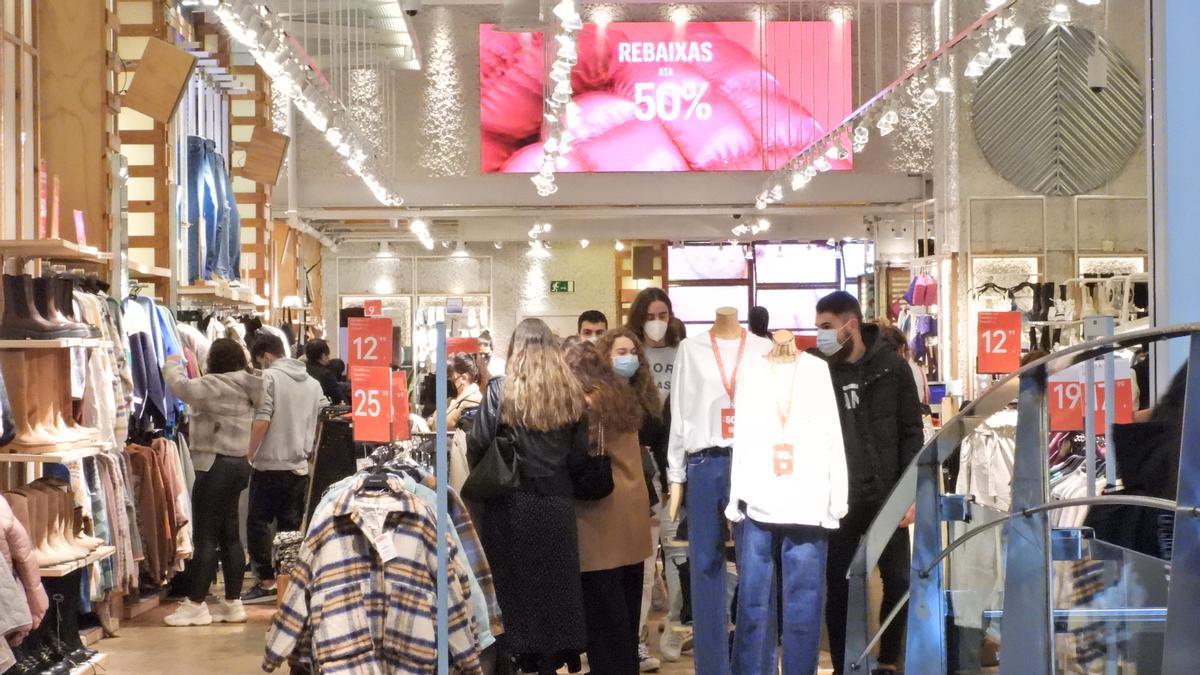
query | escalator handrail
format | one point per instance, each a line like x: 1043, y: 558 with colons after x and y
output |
x: 1128, y: 500
x: 993, y: 400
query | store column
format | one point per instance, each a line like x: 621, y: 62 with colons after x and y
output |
x: 1175, y: 237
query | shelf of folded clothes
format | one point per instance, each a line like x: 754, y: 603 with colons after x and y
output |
x: 59, y: 453
x: 63, y: 569
x: 53, y: 343
x: 51, y: 249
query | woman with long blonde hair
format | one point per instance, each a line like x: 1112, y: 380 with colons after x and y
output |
x: 536, y: 412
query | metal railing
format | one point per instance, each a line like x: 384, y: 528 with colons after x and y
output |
x: 1028, y: 645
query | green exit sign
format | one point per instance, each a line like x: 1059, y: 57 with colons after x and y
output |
x: 562, y: 286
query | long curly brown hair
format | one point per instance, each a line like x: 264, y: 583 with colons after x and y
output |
x: 642, y: 382
x: 539, y: 392
x: 608, y: 396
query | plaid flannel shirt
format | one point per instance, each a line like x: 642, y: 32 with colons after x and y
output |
x: 473, y: 549
x: 360, y: 615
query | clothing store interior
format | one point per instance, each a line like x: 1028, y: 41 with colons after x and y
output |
x: 334, y: 340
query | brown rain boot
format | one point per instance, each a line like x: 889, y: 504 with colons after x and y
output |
x: 22, y: 510
x: 52, y: 370
x: 58, y: 522
x: 38, y: 528
x: 21, y: 320
x: 64, y: 291
x: 73, y: 525
x: 45, y: 298
x: 23, y: 400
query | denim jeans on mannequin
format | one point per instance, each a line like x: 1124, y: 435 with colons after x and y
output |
x: 708, y: 475
x: 801, y: 552
x: 201, y: 206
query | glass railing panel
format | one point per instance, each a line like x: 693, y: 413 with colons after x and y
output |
x: 975, y: 590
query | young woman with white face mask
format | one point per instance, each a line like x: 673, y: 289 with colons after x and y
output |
x: 652, y: 320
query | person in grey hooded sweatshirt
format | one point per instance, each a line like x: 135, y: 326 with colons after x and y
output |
x: 281, y: 440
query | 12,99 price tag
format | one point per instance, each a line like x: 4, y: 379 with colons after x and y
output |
x: 371, y: 403
x: 369, y: 342
x: 999, y: 342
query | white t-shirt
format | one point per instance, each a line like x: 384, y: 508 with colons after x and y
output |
x: 662, y: 366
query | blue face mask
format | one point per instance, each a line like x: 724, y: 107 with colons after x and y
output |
x: 827, y: 341
x: 625, y: 365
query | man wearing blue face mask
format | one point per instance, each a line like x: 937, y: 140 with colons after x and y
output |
x: 881, y: 427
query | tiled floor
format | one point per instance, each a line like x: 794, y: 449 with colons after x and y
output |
x: 146, y: 646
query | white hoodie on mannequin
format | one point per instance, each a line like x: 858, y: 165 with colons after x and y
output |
x: 813, y: 490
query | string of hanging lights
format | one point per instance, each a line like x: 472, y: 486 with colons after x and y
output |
x: 1000, y: 33
x: 561, y: 113
x: 260, y: 31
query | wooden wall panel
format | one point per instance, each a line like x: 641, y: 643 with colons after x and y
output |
x: 74, y: 109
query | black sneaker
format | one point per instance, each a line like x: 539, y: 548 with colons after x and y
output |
x: 257, y: 595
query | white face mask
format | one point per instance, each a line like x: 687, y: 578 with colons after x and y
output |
x: 655, y: 330
x: 827, y: 341
x: 591, y: 338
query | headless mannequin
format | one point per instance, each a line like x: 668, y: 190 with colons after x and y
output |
x: 785, y: 347
x: 725, y: 327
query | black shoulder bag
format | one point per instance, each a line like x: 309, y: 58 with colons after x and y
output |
x: 594, y: 480
x: 498, y: 472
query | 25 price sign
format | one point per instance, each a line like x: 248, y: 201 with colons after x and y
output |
x: 369, y: 342
x: 999, y: 346
x: 371, y: 403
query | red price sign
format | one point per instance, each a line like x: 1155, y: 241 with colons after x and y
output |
x: 369, y: 342
x: 1067, y: 395
x: 400, y: 428
x: 373, y: 308
x: 371, y: 403
x: 462, y: 345
x: 999, y: 342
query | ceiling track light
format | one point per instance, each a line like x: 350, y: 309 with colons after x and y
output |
x: 261, y: 33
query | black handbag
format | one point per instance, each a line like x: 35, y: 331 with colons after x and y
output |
x: 497, y: 474
x: 594, y: 481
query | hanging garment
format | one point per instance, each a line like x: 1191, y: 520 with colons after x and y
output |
x: 789, y: 460
x: 366, y: 604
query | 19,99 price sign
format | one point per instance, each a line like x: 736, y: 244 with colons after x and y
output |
x: 1066, y: 395
x: 371, y: 403
x: 999, y: 342
x: 369, y: 342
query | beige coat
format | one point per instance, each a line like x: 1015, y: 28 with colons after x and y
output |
x: 615, y: 531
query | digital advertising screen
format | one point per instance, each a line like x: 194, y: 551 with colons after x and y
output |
x: 657, y: 96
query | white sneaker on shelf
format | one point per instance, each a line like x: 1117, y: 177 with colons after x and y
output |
x: 189, y: 614
x: 646, y: 662
x: 228, y: 611
x: 670, y: 645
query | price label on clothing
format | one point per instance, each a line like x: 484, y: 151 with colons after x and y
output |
x: 400, y: 428
x: 1067, y: 394
x: 369, y: 342
x: 999, y: 350
x: 371, y: 403
x: 373, y: 308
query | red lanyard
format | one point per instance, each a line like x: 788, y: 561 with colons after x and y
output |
x: 729, y: 382
x: 785, y: 411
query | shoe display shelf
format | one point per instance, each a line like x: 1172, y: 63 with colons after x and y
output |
x: 63, y: 569
x: 51, y: 249
x: 38, y: 382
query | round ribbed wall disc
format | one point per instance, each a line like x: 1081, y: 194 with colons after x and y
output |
x: 1042, y: 127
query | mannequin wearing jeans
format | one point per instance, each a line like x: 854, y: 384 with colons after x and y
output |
x: 699, y: 453
x: 788, y: 488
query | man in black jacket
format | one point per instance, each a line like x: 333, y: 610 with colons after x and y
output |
x: 882, y: 431
x: 316, y: 358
